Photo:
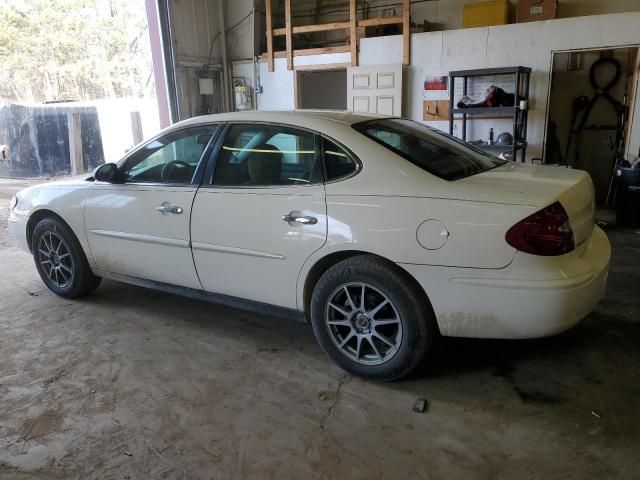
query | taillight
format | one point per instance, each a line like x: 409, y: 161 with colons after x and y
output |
x: 546, y: 232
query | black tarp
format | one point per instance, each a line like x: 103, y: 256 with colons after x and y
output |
x: 37, y: 137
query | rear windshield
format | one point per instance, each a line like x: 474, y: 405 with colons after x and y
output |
x: 437, y: 153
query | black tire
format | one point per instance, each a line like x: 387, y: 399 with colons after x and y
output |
x: 66, y: 273
x: 417, y: 325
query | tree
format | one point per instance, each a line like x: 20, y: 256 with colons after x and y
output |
x: 74, y: 50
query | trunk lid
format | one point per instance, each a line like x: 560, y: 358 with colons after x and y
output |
x: 545, y: 185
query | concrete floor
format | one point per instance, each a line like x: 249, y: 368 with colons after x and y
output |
x: 134, y: 384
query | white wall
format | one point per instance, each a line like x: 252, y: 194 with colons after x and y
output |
x: 278, y: 87
x: 436, y: 53
x: 528, y: 44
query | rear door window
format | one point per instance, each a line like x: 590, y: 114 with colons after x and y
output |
x: 267, y: 155
x: 437, y: 153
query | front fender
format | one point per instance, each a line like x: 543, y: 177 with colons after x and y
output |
x: 65, y: 201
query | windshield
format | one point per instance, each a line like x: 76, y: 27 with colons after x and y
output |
x: 437, y: 153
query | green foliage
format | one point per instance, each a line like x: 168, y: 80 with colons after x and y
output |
x: 74, y: 50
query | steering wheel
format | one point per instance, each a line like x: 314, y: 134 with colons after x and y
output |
x: 172, y: 167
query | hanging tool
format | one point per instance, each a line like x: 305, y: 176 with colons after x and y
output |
x: 580, y: 104
x: 583, y: 106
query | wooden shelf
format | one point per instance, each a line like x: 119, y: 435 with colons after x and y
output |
x: 376, y: 22
x: 315, y: 51
x: 351, y: 26
x: 322, y: 27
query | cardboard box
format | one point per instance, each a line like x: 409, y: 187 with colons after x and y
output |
x: 485, y: 14
x: 434, y: 110
x: 536, y: 10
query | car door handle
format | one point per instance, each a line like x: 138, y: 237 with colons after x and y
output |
x: 297, y: 217
x: 169, y: 209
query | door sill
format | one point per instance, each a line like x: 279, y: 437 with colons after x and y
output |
x: 226, y: 300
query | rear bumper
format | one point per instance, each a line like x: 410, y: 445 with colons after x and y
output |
x: 520, y: 301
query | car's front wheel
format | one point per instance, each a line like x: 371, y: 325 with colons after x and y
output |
x: 60, y: 260
x: 370, y: 319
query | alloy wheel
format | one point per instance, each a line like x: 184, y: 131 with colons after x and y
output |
x: 363, y: 323
x: 55, y: 258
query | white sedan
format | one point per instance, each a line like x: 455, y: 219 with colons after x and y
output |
x: 381, y: 232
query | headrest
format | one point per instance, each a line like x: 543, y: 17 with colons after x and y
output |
x: 265, y: 165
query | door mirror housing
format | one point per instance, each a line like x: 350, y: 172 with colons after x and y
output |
x: 107, y: 173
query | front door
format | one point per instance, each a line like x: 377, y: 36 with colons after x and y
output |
x: 140, y: 227
x: 262, y: 215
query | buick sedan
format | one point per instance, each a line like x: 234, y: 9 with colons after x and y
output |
x: 381, y: 232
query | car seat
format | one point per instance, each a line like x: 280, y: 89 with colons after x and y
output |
x: 264, y: 165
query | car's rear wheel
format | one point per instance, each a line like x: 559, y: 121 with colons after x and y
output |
x: 60, y: 260
x: 371, y: 319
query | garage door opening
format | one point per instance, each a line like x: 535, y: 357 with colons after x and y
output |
x: 322, y: 89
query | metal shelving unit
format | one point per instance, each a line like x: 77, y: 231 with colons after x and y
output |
x: 520, y: 117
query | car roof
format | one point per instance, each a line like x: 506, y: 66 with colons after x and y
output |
x: 308, y: 118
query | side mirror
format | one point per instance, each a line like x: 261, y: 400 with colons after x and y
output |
x: 106, y: 173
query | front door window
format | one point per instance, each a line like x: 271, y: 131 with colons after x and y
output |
x: 170, y: 159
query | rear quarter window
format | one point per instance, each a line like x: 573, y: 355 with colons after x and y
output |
x: 338, y: 162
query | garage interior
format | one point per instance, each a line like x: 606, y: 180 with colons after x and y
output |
x: 131, y: 383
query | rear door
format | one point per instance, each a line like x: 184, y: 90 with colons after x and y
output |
x: 140, y: 227
x: 261, y: 215
x: 375, y: 89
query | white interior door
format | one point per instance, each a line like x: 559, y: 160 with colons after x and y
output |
x: 375, y: 89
